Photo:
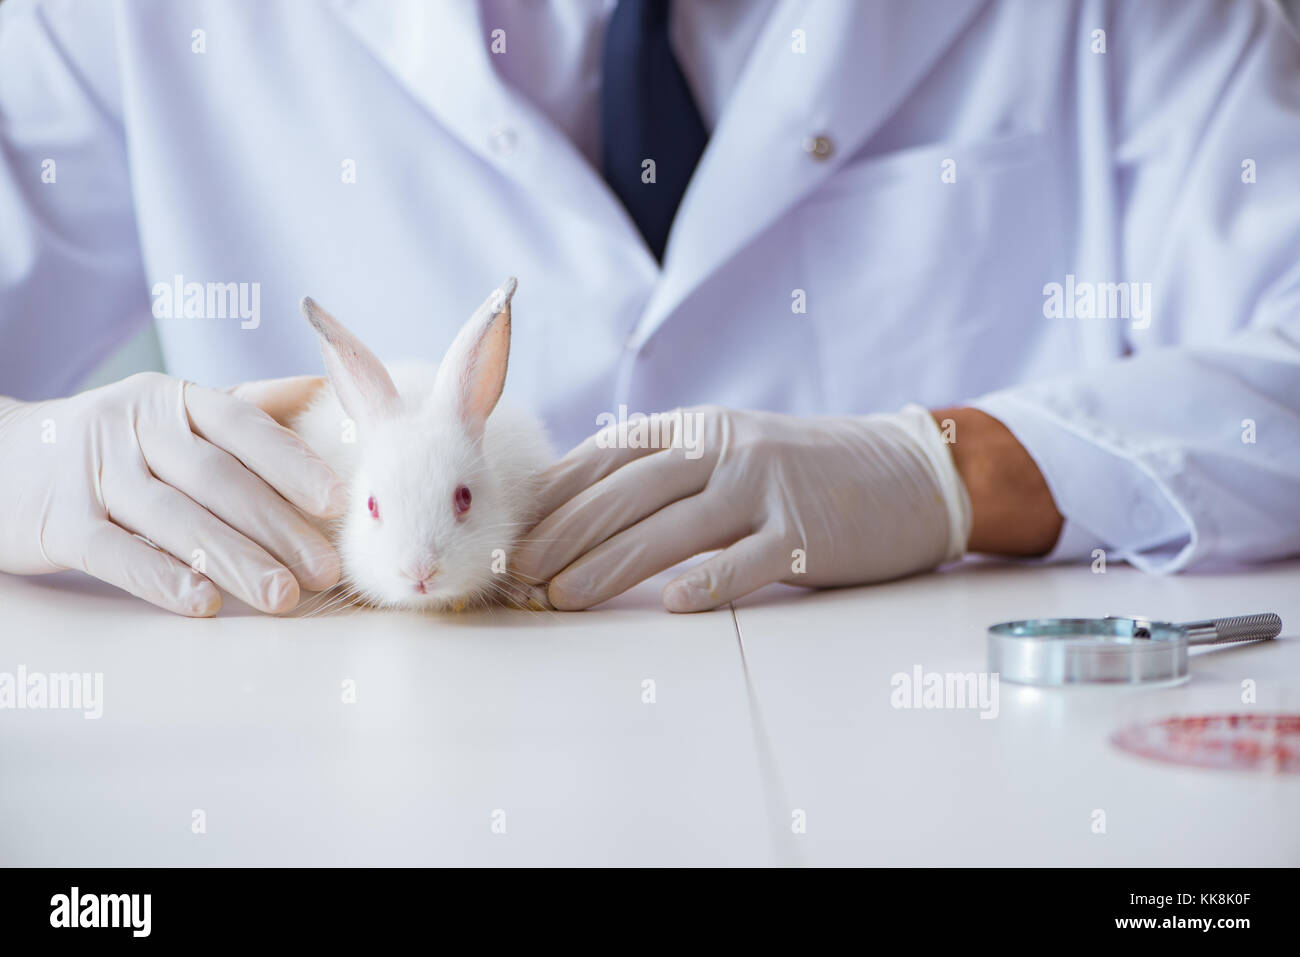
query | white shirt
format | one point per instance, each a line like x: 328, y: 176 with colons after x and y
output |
x: 557, y: 67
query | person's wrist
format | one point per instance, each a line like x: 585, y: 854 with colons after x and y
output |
x: 952, y: 497
x: 1012, y: 510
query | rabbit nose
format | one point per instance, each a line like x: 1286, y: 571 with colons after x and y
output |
x: 420, y: 571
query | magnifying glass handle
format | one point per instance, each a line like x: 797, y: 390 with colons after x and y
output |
x: 1218, y: 631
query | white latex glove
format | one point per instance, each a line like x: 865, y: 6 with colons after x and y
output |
x: 862, y: 499
x: 202, y: 475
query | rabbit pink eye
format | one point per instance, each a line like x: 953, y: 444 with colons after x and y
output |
x: 373, y: 506
x: 462, y: 498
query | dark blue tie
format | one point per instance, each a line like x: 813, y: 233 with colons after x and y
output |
x: 647, y: 113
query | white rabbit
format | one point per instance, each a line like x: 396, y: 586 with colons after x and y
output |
x: 442, y: 480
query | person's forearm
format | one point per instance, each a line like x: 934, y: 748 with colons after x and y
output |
x: 1011, y: 507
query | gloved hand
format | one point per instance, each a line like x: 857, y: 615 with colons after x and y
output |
x: 207, y: 478
x: 806, y: 501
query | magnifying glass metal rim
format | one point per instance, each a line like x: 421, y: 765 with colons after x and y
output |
x: 1111, y: 650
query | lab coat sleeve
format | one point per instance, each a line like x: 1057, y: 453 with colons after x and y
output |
x: 71, y: 282
x: 1188, y: 451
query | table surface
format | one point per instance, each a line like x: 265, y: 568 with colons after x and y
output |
x: 764, y: 733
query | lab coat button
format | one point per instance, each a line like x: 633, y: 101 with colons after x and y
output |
x: 818, y: 147
x: 503, y: 140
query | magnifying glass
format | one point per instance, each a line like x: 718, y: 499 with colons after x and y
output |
x: 1131, y: 651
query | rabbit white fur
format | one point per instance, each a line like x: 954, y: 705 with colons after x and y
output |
x: 409, y: 438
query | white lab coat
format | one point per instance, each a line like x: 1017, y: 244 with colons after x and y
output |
x: 1170, y: 444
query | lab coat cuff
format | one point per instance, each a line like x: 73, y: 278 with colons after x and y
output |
x: 1109, y: 501
x: 1075, y: 543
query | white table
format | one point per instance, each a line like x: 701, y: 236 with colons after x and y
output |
x: 538, y: 721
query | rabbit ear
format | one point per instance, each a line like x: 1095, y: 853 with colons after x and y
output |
x: 473, y: 372
x: 360, y: 380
